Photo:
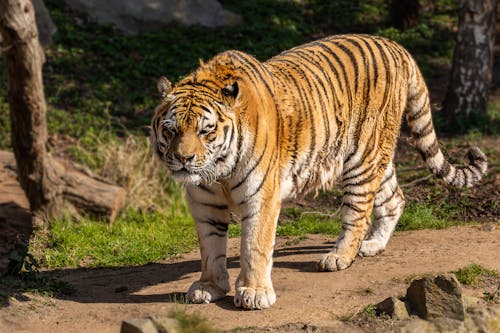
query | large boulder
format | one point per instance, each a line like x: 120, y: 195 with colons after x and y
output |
x: 135, y: 16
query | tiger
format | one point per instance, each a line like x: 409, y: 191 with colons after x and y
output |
x: 243, y: 136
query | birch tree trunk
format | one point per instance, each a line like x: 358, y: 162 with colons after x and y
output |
x: 467, y: 96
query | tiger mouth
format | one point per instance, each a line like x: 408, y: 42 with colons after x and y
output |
x: 182, y: 171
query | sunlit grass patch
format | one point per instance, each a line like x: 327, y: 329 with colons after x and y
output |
x: 309, y: 225
x: 135, y: 238
x: 301, y: 221
x: 473, y: 274
x: 426, y: 215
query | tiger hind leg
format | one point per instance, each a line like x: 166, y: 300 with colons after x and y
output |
x: 359, y: 194
x: 387, y: 209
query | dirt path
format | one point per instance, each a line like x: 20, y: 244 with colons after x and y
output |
x: 104, y: 297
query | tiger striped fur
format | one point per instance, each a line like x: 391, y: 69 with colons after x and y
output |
x: 244, y: 135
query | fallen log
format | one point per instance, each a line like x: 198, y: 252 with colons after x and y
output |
x: 88, y: 193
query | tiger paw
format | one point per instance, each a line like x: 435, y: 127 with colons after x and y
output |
x: 205, y: 292
x: 332, y: 262
x: 371, y: 247
x: 254, y: 298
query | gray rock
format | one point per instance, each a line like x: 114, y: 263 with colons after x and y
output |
x: 436, y: 296
x: 393, y: 307
x: 135, y: 16
x: 138, y: 326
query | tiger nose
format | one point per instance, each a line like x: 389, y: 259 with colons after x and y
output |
x: 184, y: 159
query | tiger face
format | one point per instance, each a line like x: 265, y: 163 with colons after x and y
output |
x: 192, y: 130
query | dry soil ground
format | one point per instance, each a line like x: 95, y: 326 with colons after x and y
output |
x: 104, y: 297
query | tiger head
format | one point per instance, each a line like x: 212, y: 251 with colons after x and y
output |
x: 193, y: 128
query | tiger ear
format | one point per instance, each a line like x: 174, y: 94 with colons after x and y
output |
x: 201, y: 62
x: 164, y: 86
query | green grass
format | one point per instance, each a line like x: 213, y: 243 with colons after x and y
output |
x: 133, y: 239
x: 300, y: 222
x: 309, y: 224
x: 427, y: 215
x: 370, y: 310
x: 474, y: 274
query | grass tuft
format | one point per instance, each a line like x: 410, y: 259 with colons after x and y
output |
x: 474, y: 274
x: 370, y: 310
x: 418, y: 216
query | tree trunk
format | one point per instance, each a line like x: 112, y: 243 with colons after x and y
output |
x: 24, y: 58
x: 44, y: 180
x: 467, y: 98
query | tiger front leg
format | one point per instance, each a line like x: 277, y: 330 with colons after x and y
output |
x: 214, y: 281
x: 254, y: 288
x: 212, y: 226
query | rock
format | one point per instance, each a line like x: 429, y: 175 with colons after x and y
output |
x: 436, y: 296
x: 166, y: 324
x: 136, y: 16
x: 138, y: 326
x: 393, y: 307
